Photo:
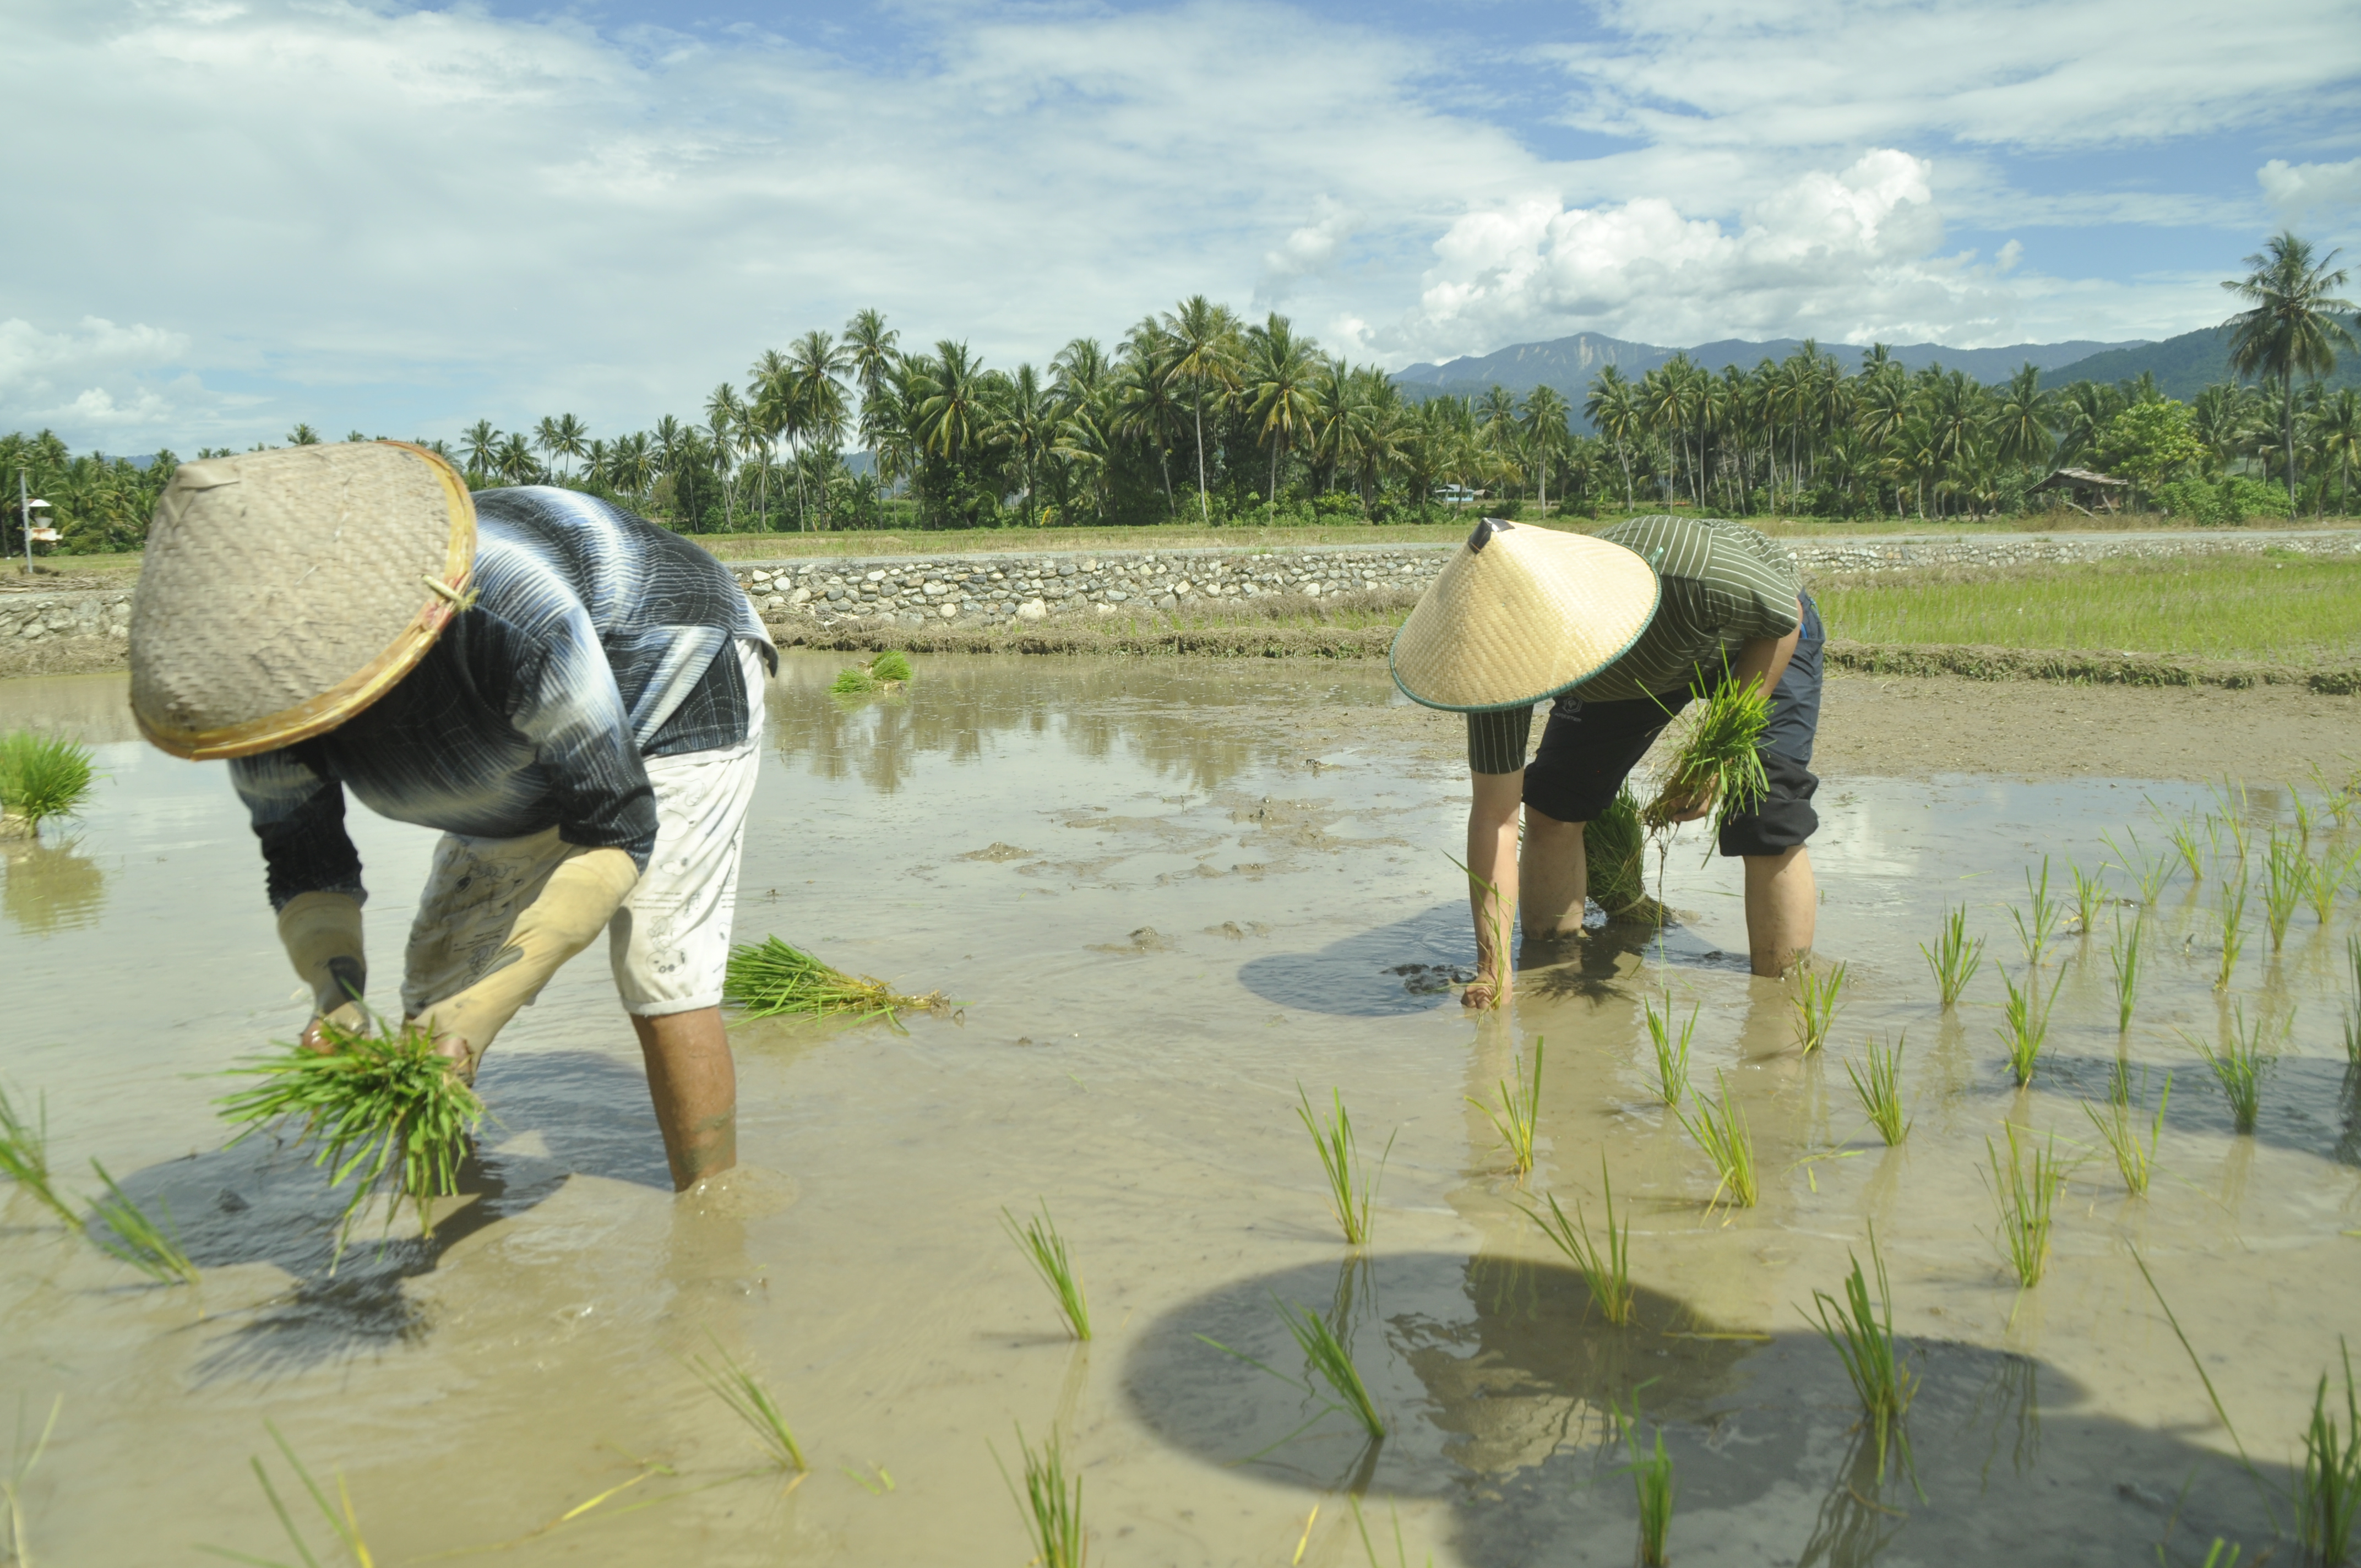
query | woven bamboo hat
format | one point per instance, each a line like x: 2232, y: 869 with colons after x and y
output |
x: 1521, y: 614
x: 285, y: 591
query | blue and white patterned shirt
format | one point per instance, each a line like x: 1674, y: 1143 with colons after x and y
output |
x: 596, y: 639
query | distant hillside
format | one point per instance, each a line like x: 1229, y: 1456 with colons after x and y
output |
x: 2183, y: 366
x: 1569, y: 363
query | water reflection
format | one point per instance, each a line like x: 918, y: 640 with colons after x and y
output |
x: 50, y: 887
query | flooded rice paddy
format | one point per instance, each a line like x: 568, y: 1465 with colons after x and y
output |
x: 1159, y: 913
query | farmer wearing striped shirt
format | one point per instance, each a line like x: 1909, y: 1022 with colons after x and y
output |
x: 1621, y: 629
x: 572, y: 696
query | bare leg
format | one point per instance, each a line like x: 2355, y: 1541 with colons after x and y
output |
x: 694, y: 1086
x: 1492, y: 856
x: 1556, y: 874
x: 1782, y: 909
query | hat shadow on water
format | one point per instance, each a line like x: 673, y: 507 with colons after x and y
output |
x: 263, y: 1201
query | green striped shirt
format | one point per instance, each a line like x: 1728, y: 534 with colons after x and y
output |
x: 1720, y: 585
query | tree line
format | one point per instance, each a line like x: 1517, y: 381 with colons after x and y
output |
x: 1197, y: 415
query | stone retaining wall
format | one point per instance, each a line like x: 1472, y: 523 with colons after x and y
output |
x: 29, y: 617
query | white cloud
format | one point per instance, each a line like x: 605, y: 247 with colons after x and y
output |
x: 2299, y: 190
x: 1306, y: 252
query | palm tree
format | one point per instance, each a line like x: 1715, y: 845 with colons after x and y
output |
x: 725, y: 417
x: 479, y: 441
x: 1026, y: 422
x: 1205, y: 340
x: 2292, y: 328
x: 1612, y: 408
x: 1547, y: 435
x: 2020, y: 429
x: 869, y: 353
x: 1278, y: 375
x: 513, y: 461
x: 1147, y: 407
x: 302, y: 435
x: 561, y: 438
x: 2336, y: 436
x: 954, y: 414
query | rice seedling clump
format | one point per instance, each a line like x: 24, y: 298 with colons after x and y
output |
x: 1606, y: 1270
x: 1672, y: 1054
x: 2239, y: 1065
x: 384, y: 1107
x: 1518, y: 1114
x: 25, y: 1155
x: 2026, y: 1023
x: 752, y: 1402
x: 2123, y: 957
x: 2135, y: 1156
x: 2328, y: 1493
x: 1352, y: 1188
x: 41, y: 776
x: 1651, y: 1480
x: 769, y: 979
x: 1615, y: 854
x: 1715, y: 756
x: 886, y: 673
x: 1863, y: 1336
x: 1721, y: 1131
x: 2023, y: 1196
x: 1818, y: 996
x: 1879, y: 1090
x: 1046, y: 1250
x: 1954, y: 957
x: 1052, y: 1509
x: 127, y: 1233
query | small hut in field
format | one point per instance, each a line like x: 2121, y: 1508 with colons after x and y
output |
x: 2083, y: 491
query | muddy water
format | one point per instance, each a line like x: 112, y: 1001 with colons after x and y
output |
x: 1159, y: 912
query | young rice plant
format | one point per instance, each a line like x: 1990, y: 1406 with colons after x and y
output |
x: 1880, y: 1090
x: 1053, y: 1507
x: 1817, y: 997
x: 20, y: 1470
x: 2123, y: 957
x: 2286, y: 874
x: 1324, y: 1354
x: 25, y: 1155
x: 1519, y: 1112
x: 1045, y: 1249
x: 1606, y: 1270
x: 344, y: 1524
x: 41, y: 776
x: 2322, y: 880
x: 770, y: 980
x: 1672, y: 1054
x: 1863, y: 1336
x: 2239, y: 1065
x: 2148, y: 873
x: 1651, y: 1480
x: 384, y: 1107
x: 1954, y: 958
x: 2352, y: 1004
x: 2023, y: 1198
x: 2234, y: 927
x: 2135, y: 1156
x: 1350, y: 1190
x: 2090, y: 892
x: 153, y: 1248
x: 1721, y: 1131
x: 750, y: 1402
x: 2328, y: 1493
x: 2026, y: 1022
x: 2037, y: 924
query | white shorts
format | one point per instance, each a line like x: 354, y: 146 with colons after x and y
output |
x: 669, y: 944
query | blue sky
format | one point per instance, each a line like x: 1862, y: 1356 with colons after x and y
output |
x: 400, y: 218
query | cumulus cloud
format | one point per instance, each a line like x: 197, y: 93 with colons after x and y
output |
x: 1306, y: 252
x: 2300, y: 190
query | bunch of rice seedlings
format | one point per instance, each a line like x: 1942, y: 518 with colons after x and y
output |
x: 751, y: 1403
x: 2090, y: 892
x: 344, y: 1524
x: 1652, y: 1481
x: 2026, y: 1023
x: 2135, y: 1156
x: 2323, y: 880
x: 20, y: 1470
x: 2148, y: 873
x: 1721, y: 1131
x: 770, y: 979
x: 1518, y: 1113
x: 2035, y: 926
x: 25, y: 1155
x: 1880, y: 1090
x: 1350, y: 1192
x: 2023, y: 1199
x: 1046, y: 1250
x: 1615, y: 851
x: 888, y: 670
x: 151, y: 1248
x: 2123, y: 957
x: 2239, y: 1065
x: 1818, y: 996
x: 1863, y: 1336
x: 41, y: 776
x: 1052, y: 1509
x: 1672, y: 1055
x: 1606, y: 1270
x: 2286, y: 874
x: 2184, y: 840
x: 1715, y: 755
x: 2233, y: 928
x: 384, y: 1107
x: 2328, y: 1493
x: 1954, y: 958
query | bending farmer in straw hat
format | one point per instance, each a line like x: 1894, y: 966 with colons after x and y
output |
x: 1619, y: 627
x: 571, y: 695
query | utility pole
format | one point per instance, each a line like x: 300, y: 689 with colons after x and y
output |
x: 24, y: 521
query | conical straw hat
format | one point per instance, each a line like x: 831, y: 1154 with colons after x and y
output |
x: 1521, y: 614
x: 285, y: 591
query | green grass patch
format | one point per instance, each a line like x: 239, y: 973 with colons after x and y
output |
x: 2227, y: 607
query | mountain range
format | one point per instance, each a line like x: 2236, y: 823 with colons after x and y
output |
x: 2182, y: 365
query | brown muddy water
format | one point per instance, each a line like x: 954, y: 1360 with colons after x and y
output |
x: 1159, y: 917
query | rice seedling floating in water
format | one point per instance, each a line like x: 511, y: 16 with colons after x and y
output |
x: 1615, y: 854
x: 1606, y: 1270
x: 25, y: 1155
x: 1715, y: 755
x: 751, y: 1403
x: 2123, y: 957
x: 892, y: 666
x: 1350, y: 1192
x: 41, y: 776
x: 1863, y: 1336
x: 2023, y: 1198
x: 2328, y: 1493
x: 2090, y: 892
x: 384, y: 1108
x: 2148, y: 873
x: 769, y: 980
x: 1046, y: 1250
x: 1954, y: 958
x: 2239, y: 1065
x: 2234, y: 927
x: 1672, y: 1056
x: 1880, y: 1090
x: 344, y: 1524
x: 882, y: 673
x: 1817, y: 998
x: 2036, y: 925
x: 1518, y: 1113
x: 1053, y: 1507
x: 2135, y: 1156
x: 1721, y: 1131
x: 1652, y: 1482
x: 2286, y: 874
x: 2026, y: 1022
x: 153, y: 1248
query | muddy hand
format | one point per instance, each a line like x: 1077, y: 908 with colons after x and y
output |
x: 1484, y: 993
x: 1690, y: 807
x: 348, y: 1018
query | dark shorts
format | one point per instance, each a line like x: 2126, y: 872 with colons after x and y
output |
x: 1589, y: 749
